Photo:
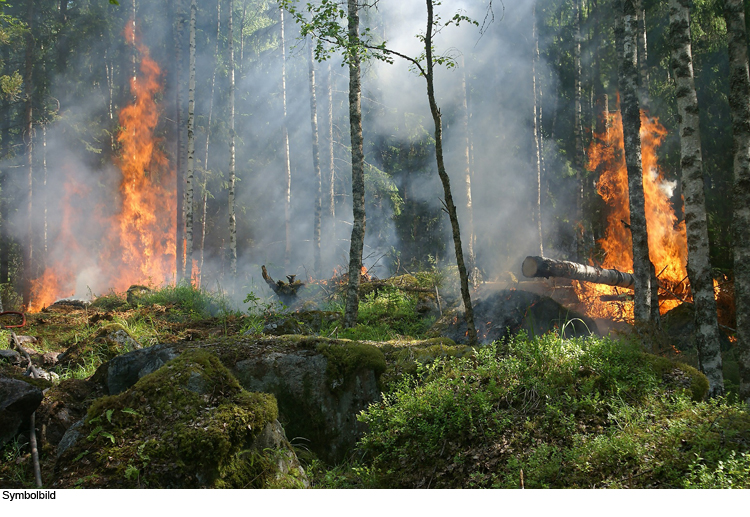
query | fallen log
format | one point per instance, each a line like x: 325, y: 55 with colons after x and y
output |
x: 534, y: 267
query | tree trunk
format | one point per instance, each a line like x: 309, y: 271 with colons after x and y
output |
x: 642, y: 54
x: 5, y: 239
x: 331, y: 162
x: 540, y: 267
x: 357, y: 241
x: 631, y: 125
x: 317, y: 267
x: 466, y: 159
x: 578, y: 131
x: 62, y: 42
x: 28, y: 132
x: 739, y: 103
x: 537, y: 134
x: 180, y: 176
x: 232, y: 137
x: 287, y: 165
x: 445, y: 180
x: 190, y: 150
x: 691, y: 163
x: 204, y: 200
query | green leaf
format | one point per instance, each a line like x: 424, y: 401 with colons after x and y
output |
x: 109, y: 415
x: 108, y: 435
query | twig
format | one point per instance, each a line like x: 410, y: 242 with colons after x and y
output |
x: 35, y: 451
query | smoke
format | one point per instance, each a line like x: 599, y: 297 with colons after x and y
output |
x: 404, y: 219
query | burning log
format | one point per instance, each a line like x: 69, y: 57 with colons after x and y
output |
x: 287, y: 292
x: 543, y: 267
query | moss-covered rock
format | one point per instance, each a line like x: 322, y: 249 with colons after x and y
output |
x: 109, y: 341
x: 187, y: 425
x: 679, y: 376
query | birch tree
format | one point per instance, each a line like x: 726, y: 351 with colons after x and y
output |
x: 204, y: 196
x: 285, y: 147
x: 190, y: 151
x: 739, y: 104
x: 28, y: 133
x: 316, y: 163
x: 537, y: 133
x: 691, y: 163
x: 631, y: 125
x: 232, y: 137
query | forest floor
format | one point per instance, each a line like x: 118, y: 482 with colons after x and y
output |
x: 525, y: 412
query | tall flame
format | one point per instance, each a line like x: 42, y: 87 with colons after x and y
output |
x: 139, y: 246
x: 666, y: 234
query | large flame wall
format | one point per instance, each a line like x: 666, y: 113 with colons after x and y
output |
x: 138, y: 243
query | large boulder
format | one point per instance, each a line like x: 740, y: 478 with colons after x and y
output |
x: 187, y: 425
x: 507, y: 312
x: 18, y: 400
x: 320, y: 384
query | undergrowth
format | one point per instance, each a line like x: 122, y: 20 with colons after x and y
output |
x: 570, y: 413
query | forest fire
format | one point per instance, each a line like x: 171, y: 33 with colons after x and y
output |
x: 666, y: 235
x: 139, y: 242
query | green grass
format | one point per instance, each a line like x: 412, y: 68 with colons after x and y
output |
x: 384, y: 315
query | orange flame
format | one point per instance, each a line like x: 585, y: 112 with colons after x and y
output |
x: 140, y: 243
x: 666, y: 235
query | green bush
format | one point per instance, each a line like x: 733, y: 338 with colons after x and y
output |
x: 569, y: 413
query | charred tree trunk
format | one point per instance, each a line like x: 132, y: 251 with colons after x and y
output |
x: 540, y: 267
x: 739, y: 103
x: 445, y: 180
x: 631, y: 125
x: 691, y: 163
x: 357, y: 242
x: 190, y: 151
x: 317, y: 267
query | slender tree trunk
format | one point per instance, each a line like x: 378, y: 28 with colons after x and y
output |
x: 331, y: 162
x: 631, y: 125
x: 190, y: 150
x: 537, y: 137
x: 45, y: 249
x: 28, y: 132
x: 466, y: 159
x: 739, y: 103
x: 445, y: 180
x: 62, y: 44
x: 180, y: 176
x: 358, y: 171
x: 232, y: 137
x: 204, y: 200
x: 316, y: 164
x: 4, y: 212
x: 287, y: 164
x: 642, y: 54
x: 691, y: 163
x: 578, y: 131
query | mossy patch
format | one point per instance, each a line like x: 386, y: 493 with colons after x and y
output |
x: 345, y: 359
x: 187, y: 425
x: 677, y: 375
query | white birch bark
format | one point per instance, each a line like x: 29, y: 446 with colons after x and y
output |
x: 232, y: 137
x: 190, y: 151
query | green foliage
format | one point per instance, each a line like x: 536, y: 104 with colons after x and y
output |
x: 570, y: 413
x: 385, y: 314
x: 733, y: 472
x: 188, y: 300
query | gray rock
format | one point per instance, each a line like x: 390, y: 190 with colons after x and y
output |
x: 124, y: 370
x: 314, y: 407
x: 18, y: 400
x: 10, y: 356
x: 70, y: 437
x: 273, y: 437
